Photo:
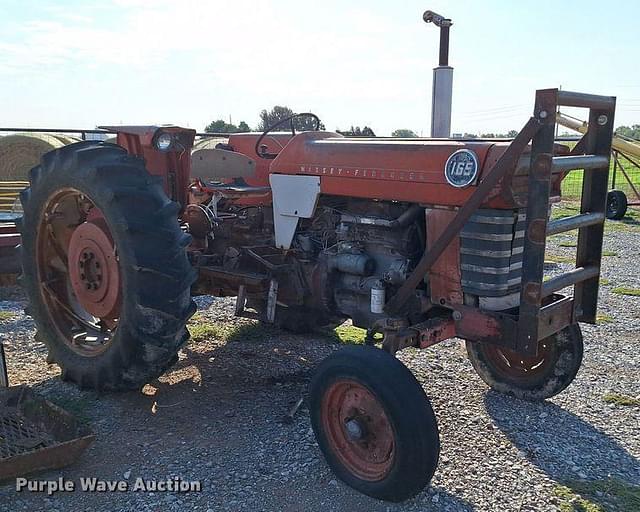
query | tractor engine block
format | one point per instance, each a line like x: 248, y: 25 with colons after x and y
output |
x: 375, y: 246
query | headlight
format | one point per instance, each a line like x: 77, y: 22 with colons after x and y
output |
x: 164, y: 141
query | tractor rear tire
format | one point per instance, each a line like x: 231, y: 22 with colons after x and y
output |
x: 373, y: 423
x: 616, y: 204
x: 153, y: 276
x: 530, y: 378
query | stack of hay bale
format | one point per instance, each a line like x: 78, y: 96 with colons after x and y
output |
x: 18, y: 154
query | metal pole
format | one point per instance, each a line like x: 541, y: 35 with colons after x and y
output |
x: 444, y: 46
x: 4, y: 378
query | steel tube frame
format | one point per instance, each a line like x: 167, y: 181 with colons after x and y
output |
x: 535, y: 319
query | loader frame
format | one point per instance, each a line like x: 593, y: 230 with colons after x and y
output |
x: 542, y: 312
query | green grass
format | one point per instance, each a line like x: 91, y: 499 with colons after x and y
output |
x: 6, y: 315
x: 568, y: 244
x: 572, y: 502
x: 205, y: 331
x: 350, y: 334
x: 565, y: 209
x: 558, y: 258
x: 620, y: 399
x: 569, y: 207
x: 572, y: 183
x: 604, y: 281
x: 202, y: 330
x: 623, y: 290
x: 609, y: 253
x: 603, y: 318
x: 598, y: 496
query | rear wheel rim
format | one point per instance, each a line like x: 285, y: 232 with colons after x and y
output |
x: 79, y: 272
x: 358, y: 430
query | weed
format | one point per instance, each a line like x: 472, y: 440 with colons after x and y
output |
x: 205, y: 331
x: 603, y: 318
x: 622, y: 290
x: 558, y: 258
x: 598, y: 496
x: 620, y: 399
x: 6, y: 315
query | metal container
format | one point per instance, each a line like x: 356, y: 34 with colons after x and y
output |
x: 36, y: 435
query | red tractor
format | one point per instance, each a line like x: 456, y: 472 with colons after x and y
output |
x: 416, y: 240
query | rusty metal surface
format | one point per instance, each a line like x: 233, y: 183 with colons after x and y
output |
x: 594, y: 200
x: 555, y: 316
x: 173, y: 167
x: 36, y: 435
x: 444, y: 276
x: 539, y: 188
x: 596, y: 146
x: 485, y: 326
x: 506, y: 163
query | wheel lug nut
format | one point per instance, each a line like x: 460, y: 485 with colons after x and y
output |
x: 82, y: 276
x: 88, y: 286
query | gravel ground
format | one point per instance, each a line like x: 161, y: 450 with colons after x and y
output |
x: 217, y: 417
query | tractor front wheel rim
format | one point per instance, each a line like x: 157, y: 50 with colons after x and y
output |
x: 358, y: 430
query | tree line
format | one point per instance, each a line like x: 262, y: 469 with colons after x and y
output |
x: 279, y: 113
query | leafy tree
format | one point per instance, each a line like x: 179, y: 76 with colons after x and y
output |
x: 632, y: 132
x: 221, y: 126
x: 278, y: 113
x: 404, y: 133
x: 357, y: 132
x: 509, y: 135
x: 469, y: 136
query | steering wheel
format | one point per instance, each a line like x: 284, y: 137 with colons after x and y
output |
x: 271, y: 156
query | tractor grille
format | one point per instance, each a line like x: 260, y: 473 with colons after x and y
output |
x: 491, y: 245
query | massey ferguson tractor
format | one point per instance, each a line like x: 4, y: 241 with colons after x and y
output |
x: 416, y: 240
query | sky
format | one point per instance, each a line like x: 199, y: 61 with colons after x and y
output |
x: 80, y: 63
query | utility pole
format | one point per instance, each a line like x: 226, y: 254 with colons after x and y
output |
x: 442, y: 93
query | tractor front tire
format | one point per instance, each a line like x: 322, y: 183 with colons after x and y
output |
x: 373, y: 423
x: 127, y: 328
x: 532, y: 378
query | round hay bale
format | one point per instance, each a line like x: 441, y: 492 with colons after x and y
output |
x: 66, y: 139
x: 20, y: 152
